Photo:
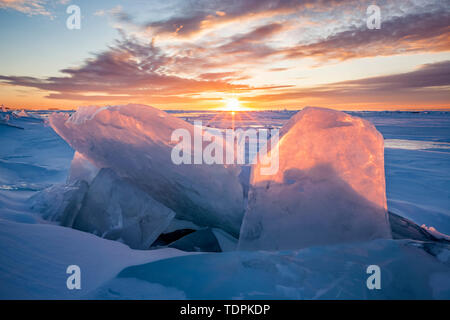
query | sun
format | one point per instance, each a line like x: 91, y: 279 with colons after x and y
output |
x: 232, y: 105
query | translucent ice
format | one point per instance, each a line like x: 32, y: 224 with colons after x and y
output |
x: 60, y: 202
x: 116, y: 209
x: 330, y: 186
x: 135, y: 142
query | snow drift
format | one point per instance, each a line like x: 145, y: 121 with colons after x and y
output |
x: 34, y: 259
x: 330, y: 186
x: 134, y: 141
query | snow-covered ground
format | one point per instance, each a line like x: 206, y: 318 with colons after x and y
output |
x: 34, y: 253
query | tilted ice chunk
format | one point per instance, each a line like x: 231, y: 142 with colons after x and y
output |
x: 135, y: 141
x: 115, y: 209
x: 329, y: 188
x: 81, y: 169
x: 435, y: 233
x: 21, y: 113
x: 60, y: 203
x: 226, y: 241
x: 177, y: 224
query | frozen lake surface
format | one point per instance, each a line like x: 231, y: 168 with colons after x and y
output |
x: 417, y: 166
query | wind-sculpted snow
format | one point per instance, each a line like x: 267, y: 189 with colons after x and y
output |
x: 330, y: 187
x: 135, y: 142
x: 34, y: 259
x: 410, y: 270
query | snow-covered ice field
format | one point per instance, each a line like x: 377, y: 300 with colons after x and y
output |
x: 34, y: 252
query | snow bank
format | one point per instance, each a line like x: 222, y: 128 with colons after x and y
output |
x: 34, y: 259
x: 329, y: 188
x: 135, y: 142
x: 408, y: 271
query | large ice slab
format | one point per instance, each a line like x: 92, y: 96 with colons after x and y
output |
x: 135, y: 141
x: 330, y: 186
x: 116, y: 209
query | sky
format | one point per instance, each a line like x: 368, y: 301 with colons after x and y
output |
x: 219, y: 54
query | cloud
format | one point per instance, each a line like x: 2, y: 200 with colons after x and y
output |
x: 128, y: 69
x: 252, y: 42
x: 120, y: 15
x: 405, y: 29
x: 221, y: 76
x: 196, y: 16
x: 429, y: 84
x: 419, y: 32
x: 29, y: 7
x: 426, y: 76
